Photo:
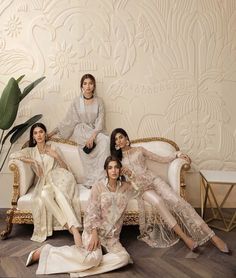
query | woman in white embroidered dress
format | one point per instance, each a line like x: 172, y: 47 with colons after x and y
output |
x: 54, y: 192
x: 84, y: 123
x: 175, y: 214
x: 102, y: 225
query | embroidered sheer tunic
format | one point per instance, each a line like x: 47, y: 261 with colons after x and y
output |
x: 105, y: 212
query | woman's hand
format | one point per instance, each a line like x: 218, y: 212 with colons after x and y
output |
x: 94, y: 242
x: 126, y: 171
x: 90, y: 141
x: 49, y: 151
x: 185, y: 157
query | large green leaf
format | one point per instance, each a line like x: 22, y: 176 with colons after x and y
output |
x: 12, y: 131
x: 18, y: 80
x: 9, y: 103
x: 17, y: 134
x: 31, y: 86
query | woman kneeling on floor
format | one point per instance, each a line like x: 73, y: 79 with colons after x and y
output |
x: 102, y: 225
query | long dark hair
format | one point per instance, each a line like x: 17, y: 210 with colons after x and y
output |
x: 110, y: 159
x: 32, y: 142
x: 114, y: 152
x: 90, y: 76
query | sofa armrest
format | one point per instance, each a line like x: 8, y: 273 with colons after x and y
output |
x: 175, y: 175
x: 23, y: 175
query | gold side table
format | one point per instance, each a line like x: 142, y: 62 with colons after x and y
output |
x: 208, y: 179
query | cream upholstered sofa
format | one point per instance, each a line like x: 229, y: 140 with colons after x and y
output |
x: 23, y: 187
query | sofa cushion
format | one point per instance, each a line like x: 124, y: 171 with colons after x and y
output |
x: 72, y: 158
x: 24, y: 202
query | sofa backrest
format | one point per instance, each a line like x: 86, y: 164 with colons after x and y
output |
x: 158, y: 145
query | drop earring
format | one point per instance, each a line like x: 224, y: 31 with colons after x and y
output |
x: 117, y: 147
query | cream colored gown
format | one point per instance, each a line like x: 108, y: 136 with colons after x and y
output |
x: 55, y: 198
x: 105, y: 212
x: 81, y: 121
x: 156, y: 222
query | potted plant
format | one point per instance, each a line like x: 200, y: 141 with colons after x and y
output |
x: 9, y: 104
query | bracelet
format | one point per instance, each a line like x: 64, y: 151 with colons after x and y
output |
x: 132, y: 175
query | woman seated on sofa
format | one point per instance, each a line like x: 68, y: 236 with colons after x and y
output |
x: 84, y: 123
x: 102, y: 225
x: 53, y: 194
x: 175, y: 217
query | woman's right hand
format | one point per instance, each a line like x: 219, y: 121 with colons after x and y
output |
x: 94, y: 242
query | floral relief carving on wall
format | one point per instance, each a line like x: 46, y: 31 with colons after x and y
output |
x: 164, y: 68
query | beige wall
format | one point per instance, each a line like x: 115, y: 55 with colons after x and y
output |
x: 164, y: 68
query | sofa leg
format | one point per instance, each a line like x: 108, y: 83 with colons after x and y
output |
x: 5, y: 233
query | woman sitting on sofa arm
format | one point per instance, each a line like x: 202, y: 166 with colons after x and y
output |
x: 53, y: 194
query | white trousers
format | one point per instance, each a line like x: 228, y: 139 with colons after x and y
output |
x: 153, y: 199
x: 56, y: 202
x: 78, y: 261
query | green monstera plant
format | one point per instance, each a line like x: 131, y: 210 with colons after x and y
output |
x: 9, y: 104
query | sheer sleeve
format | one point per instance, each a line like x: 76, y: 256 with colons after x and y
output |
x: 99, y: 123
x: 155, y: 157
x: 93, y: 211
x: 66, y: 127
x: 25, y: 155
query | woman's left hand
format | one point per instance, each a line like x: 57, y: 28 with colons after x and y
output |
x: 126, y: 171
x: 94, y: 242
x: 89, y: 142
x: 185, y: 156
x: 51, y: 152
